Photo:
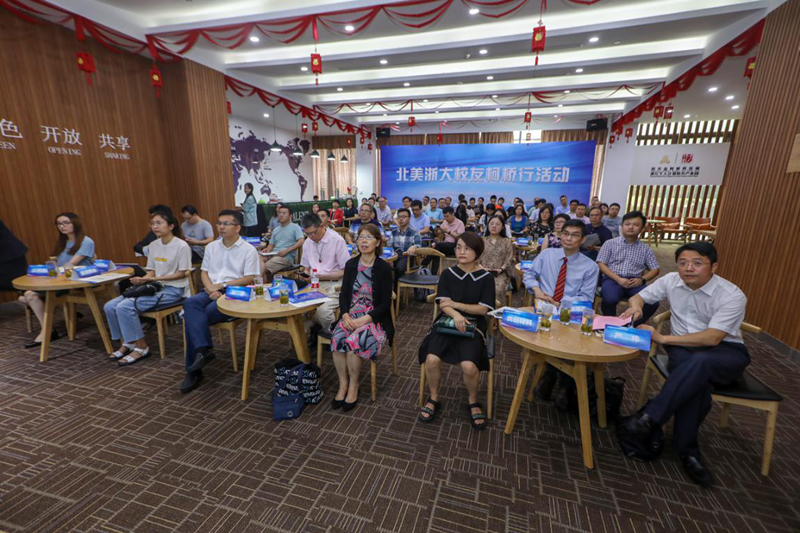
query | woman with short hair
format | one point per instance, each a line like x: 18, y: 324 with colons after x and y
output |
x: 553, y: 239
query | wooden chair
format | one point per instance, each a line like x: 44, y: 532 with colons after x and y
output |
x: 747, y: 391
x: 695, y: 224
x: 491, y: 327
x: 672, y: 225
x: 342, y: 231
x: 373, y: 365
x: 230, y: 326
x: 160, y: 314
x: 414, y: 280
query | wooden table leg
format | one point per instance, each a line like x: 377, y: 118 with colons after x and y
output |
x: 600, y: 388
x: 583, y: 409
x: 47, y: 326
x: 98, y: 318
x: 519, y: 393
x: 537, y: 376
x: 298, y: 334
x: 72, y: 322
x: 250, y: 346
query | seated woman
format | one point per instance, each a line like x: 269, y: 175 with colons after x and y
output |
x: 498, y: 255
x: 465, y: 294
x: 73, y: 248
x: 365, y: 304
x: 350, y: 211
x: 553, y: 240
x: 543, y: 225
x: 169, y: 263
x: 519, y: 222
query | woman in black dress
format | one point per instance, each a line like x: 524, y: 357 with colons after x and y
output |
x: 465, y: 294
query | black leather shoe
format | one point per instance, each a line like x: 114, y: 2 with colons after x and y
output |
x: 336, y: 404
x: 202, y: 359
x: 54, y: 336
x: 544, y: 389
x: 638, y: 424
x: 697, y: 470
x: 347, y: 406
x: 191, y: 381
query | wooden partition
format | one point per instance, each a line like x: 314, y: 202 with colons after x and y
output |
x: 661, y: 201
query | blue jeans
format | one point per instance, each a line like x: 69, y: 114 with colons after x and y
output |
x: 123, y: 313
x: 613, y: 292
x: 200, y: 312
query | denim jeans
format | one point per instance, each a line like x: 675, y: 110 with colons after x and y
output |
x: 200, y: 312
x: 123, y: 313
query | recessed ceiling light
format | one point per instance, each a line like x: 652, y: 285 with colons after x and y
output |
x: 712, y: 89
x: 397, y: 123
x: 474, y: 11
x: 555, y: 116
x: 266, y: 115
x: 339, y: 89
x: 437, y: 112
x: 367, y: 103
x: 349, y: 28
x: 304, y: 69
x: 687, y: 116
x: 483, y: 51
x: 594, y: 39
x: 734, y: 107
x: 578, y: 70
x: 560, y: 105
x: 567, y: 91
x: 617, y: 42
x: 426, y: 100
x: 406, y: 84
x: 386, y: 114
x: 497, y: 109
x: 384, y: 61
x: 254, y: 39
x: 729, y: 97
x: 490, y: 78
x: 494, y: 96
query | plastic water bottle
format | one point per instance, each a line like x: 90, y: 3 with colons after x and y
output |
x: 314, y: 279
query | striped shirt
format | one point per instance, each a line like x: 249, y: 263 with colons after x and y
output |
x: 627, y: 260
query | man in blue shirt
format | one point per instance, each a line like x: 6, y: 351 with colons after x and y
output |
x: 564, y: 207
x: 404, y: 240
x: 419, y: 220
x: 366, y: 214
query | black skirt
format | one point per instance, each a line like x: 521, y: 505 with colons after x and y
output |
x: 453, y: 349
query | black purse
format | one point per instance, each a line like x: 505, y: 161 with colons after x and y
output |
x: 147, y: 289
x: 447, y: 326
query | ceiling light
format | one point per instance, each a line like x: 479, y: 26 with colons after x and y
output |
x: 497, y: 109
x: 304, y: 69
x: 384, y: 61
x: 560, y: 105
x: 331, y: 157
x: 266, y: 115
x: 578, y: 70
x: 483, y: 51
x: 254, y: 39
x: 314, y: 154
x: 386, y: 114
x: 734, y: 107
x: 425, y: 100
x: 494, y: 96
x: 687, y: 116
x: 406, y: 84
x: 339, y: 89
x: 729, y: 97
x: 474, y: 11
x: 490, y: 78
x: 555, y: 116
x: 275, y: 147
x: 594, y: 39
x: 567, y: 91
x: 712, y: 89
x: 617, y: 42
x: 344, y: 159
x: 437, y: 112
x: 297, y: 152
x: 349, y: 28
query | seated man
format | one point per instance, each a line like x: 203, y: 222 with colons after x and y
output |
x: 229, y: 260
x: 580, y: 213
x: 286, y: 239
x: 403, y: 239
x: 612, y: 220
x: 596, y: 227
x: 366, y: 215
x: 196, y: 232
x: 419, y: 220
x: 562, y: 275
x: 627, y: 264
x: 705, y: 346
x: 384, y: 211
x: 450, y: 229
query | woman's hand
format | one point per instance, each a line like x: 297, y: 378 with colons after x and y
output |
x: 460, y: 322
x: 137, y: 280
x: 347, y: 322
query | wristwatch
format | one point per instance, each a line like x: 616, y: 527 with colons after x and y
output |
x: 224, y: 285
x: 644, y: 281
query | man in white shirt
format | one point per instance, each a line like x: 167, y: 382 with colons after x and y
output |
x: 705, y: 347
x: 580, y: 213
x: 383, y: 211
x: 227, y: 261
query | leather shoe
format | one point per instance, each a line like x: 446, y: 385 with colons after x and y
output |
x: 191, y: 381
x: 54, y: 336
x: 337, y: 404
x: 638, y: 424
x: 347, y: 406
x: 697, y: 470
x: 202, y: 359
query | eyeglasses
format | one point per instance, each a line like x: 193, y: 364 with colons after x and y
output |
x: 696, y: 263
x: 154, y: 223
x: 366, y: 238
x: 63, y: 224
x: 226, y: 224
x: 312, y: 232
x: 572, y: 235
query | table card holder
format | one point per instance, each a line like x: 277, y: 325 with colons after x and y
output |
x: 255, y: 241
x: 87, y: 271
x: 627, y: 337
x: 243, y: 294
x: 522, y: 241
x: 576, y: 310
x: 105, y: 265
x: 525, y: 265
x: 515, y: 318
x: 274, y: 292
x: 38, y: 270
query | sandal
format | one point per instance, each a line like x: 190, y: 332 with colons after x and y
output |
x: 474, y: 418
x: 119, y: 354
x: 430, y: 412
x: 130, y: 360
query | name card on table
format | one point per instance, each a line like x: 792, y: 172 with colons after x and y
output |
x: 255, y: 241
x: 88, y: 271
x: 275, y: 291
x: 351, y: 248
x: 514, y: 318
x: 576, y: 310
x: 523, y: 242
x: 387, y: 252
x: 105, y: 265
x: 525, y: 265
x: 243, y: 294
x: 307, y: 297
x: 39, y: 270
x: 540, y: 241
x: 627, y: 337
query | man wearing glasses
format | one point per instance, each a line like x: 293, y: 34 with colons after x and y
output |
x: 705, y: 346
x: 366, y: 215
x: 227, y: 261
x: 404, y: 240
x: 325, y: 251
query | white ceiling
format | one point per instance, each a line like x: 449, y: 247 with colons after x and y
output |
x: 640, y: 42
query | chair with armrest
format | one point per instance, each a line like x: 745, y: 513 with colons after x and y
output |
x: 412, y: 279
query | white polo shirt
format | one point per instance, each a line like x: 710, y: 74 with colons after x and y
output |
x: 227, y: 264
x: 718, y: 304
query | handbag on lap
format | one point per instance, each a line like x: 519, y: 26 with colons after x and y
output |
x: 447, y: 326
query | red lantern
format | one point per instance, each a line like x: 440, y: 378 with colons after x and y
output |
x: 156, y: 80
x: 315, y: 126
x: 86, y: 64
x: 228, y: 105
x: 439, y: 138
x: 369, y: 147
x: 528, y: 117
x: 316, y: 66
x: 539, y: 36
x: 628, y: 134
x: 304, y: 128
x: 412, y: 121
x: 362, y: 139
x: 750, y: 67
x: 612, y: 140
x: 668, y: 112
x: 658, y: 112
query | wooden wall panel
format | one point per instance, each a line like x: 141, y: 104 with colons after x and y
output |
x: 762, y: 258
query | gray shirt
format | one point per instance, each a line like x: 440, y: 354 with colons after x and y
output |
x: 200, y: 231
x: 613, y: 224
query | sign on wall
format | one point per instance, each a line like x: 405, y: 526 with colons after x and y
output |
x: 65, y: 141
x: 680, y: 164
x: 546, y: 170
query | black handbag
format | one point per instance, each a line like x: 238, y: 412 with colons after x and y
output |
x: 447, y: 326
x: 614, y: 389
x: 147, y: 289
x: 289, y: 405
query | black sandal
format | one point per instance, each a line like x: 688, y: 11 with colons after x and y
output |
x: 475, y: 417
x: 430, y: 412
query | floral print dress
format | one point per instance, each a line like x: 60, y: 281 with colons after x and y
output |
x: 366, y: 341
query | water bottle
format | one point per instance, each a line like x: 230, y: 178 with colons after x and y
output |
x: 314, y: 279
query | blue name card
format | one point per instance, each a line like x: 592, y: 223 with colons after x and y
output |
x: 255, y: 241
x: 540, y: 241
x: 350, y: 248
x: 525, y: 265
x: 88, y: 271
x: 514, y: 318
x: 275, y: 290
x: 104, y: 265
x: 627, y: 337
x: 38, y: 270
x: 387, y: 252
x: 243, y: 294
x: 576, y: 310
x: 523, y: 242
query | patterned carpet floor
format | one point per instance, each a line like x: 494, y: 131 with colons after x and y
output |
x: 87, y: 446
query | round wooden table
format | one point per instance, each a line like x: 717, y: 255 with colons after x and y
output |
x: 80, y: 292
x: 267, y: 315
x: 576, y: 355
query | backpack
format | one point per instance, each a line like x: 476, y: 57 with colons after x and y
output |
x: 300, y: 378
x: 421, y: 295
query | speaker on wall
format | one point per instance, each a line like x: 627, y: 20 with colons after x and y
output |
x: 597, y: 124
x: 384, y: 132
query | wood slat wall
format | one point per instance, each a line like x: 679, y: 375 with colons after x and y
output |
x: 762, y: 257
x: 687, y: 132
